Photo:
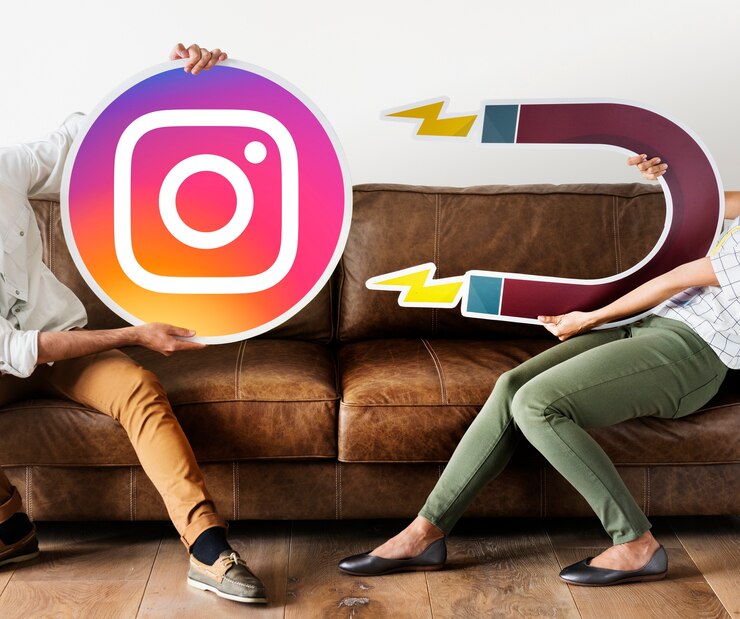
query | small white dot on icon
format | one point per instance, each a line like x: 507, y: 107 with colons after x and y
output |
x: 255, y: 152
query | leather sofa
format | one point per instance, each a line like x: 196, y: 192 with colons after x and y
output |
x: 352, y: 408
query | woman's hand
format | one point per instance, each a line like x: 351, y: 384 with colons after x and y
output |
x: 199, y: 58
x: 651, y: 169
x: 568, y: 325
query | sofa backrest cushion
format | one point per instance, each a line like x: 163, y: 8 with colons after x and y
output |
x: 312, y: 323
x: 578, y: 231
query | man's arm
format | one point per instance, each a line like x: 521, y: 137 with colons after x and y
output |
x: 162, y: 338
x: 648, y: 295
x: 653, y: 169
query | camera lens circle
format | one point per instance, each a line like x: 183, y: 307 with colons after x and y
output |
x: 198, y: 238
x: 255, y: 152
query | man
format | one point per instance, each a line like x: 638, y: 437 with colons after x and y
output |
x: 44, y: 349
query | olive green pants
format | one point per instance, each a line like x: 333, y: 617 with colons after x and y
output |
x: 655, y: 367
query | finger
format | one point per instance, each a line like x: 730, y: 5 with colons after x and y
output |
x: 223, y: 56
x: 656, y: 171
x: 178, y: 52
x: 186, y: 345
x: 205, y: 58
x: 548, y: 319
x: 180, y: 331
x: 215, y: 58
x: 648, y: 163
x: 193, y: 57
x: 636, y: 159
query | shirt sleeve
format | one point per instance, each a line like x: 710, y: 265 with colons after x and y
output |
x: 19, y: 350
x: 726, y: 261
x: 35, y: 169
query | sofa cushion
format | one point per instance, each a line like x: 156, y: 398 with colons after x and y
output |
x: 579, y: 231
x: 411, y: 400
x: 313, y: 323
x: 253, y: 399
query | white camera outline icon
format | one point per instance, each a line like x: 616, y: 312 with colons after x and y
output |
x: 205, y: 118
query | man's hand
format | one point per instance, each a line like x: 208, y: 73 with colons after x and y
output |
x: 164, y: 338
x: 199, y: 58
x: 568, y: 325
x: 651, y: 169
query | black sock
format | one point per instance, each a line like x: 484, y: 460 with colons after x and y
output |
x: 15, y: 528
x: 211, y: 543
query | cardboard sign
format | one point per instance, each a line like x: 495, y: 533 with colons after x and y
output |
x: 219, y: 202
x: 693, y: 194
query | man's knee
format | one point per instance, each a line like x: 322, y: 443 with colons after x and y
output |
x: 140, y: 394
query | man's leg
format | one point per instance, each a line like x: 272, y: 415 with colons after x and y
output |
x: 111, y: 382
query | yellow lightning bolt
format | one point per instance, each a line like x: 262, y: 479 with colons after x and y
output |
x: 432, y: 124
x: 418, y: 288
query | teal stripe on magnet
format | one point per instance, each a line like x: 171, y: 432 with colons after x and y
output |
x: 499, y: 124
x: 484, y: 294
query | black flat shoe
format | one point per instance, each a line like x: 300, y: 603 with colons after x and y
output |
x: 582, y: 573
x: 432, y: 558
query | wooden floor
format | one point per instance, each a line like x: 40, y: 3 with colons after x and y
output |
x: 496, y: 569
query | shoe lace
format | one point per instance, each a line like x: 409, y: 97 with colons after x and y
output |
x: 233, y: 559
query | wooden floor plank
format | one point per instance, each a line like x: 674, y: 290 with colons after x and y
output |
x: 714, y: 546
x: 263, y: 545
x: 316, y: 588
x: 71, y: 599
x: 94, y: 551
x: 85, y: 570
x: 500, y: 568
x: 684, y: 593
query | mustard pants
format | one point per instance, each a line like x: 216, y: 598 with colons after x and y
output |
x: 655, y: 367
x: 114, y: 384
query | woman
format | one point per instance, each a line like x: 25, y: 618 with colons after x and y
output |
x: 667, y: 365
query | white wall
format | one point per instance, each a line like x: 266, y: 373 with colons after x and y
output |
x: 356, y: 59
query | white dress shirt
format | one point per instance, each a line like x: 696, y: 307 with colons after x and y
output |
x: 31, y: 298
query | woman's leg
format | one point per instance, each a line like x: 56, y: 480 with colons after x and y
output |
x: 663, y: 370
x: 484, y: 450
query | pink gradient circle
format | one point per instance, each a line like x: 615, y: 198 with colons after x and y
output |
x: 268, y: 131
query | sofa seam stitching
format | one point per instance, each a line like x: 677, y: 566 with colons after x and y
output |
x: 28, y: 493
x: 647, y: 510
x: 237, y: 369
x: 440, y: 372
x: 644, y: 491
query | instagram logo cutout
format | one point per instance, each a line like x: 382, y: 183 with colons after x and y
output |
x: 218, y: 202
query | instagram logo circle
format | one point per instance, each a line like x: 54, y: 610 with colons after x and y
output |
x: 220, y: 202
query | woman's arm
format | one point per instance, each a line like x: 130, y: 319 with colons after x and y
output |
x: 648, y: 295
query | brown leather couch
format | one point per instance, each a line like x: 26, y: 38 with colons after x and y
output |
x: 351, y: 409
